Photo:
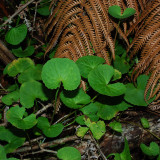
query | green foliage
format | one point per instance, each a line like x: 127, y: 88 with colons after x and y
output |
x: 125, y: 155
x: 152, y: 150
x: 117, y: 126
x: 32, y: 73
x: 115, y: 11
x: 98, y: 129
x: 31, y: 90
x: 74, y: 99
x: 16, y: 35
x: 23, y: 53
x: 49, y: 130
x: 11, y: 97
x: 135, y: 95
x: 107, y: 94
x: 13, y: 140
x: 81, y: 131
x: 18, y: 66
x: 61, y: 70
x: 88, y: 63
x: 144, y: 122
x: 3, y: 155
x: 68, y: 153
x: 15, y: 117
x: 99, y: 78
x: 44, y: 11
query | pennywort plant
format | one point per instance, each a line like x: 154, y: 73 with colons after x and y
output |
x: 64, y: 76
x: 94, y: 109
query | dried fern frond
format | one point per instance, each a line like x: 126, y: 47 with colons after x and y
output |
x: 83, y: 27
x: 147, y: 43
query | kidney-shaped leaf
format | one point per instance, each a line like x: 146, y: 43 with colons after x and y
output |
x: 89, y: 109
x: 23, y: 53
x: 117, y: 126
x: 107, y: 112
x: 88, y: 63
x: 31, y: 90
x: 115, y: 11
x: 98, y: 129
x: 69, y: 153
x: 49, y: 131
x: 44, y: 11
x: 16, y: 35
x: 15, y: 117
x: 32, y: 73
x: 74, y: 99
x: 99, y: 78
x: 18, y: 66
x: 61, y: 70
x: 135, y: 95
x: 11, y: 97
x: 13, y: 140
x: 151, y: 150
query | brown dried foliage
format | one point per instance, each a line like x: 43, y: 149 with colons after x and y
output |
x: 147, y: 43
x: 84, y: 27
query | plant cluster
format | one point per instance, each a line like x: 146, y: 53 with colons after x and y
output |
x: 92, y: 93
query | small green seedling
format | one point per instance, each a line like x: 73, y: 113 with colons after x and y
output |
x: 144, y: 122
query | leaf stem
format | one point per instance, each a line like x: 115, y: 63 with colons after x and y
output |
x: 57, y: 92
x: 116, y: 33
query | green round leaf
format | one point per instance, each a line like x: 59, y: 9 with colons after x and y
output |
x: 121, y: 64
x: 23, y: 53
x: 89, y: 109
x: 69, y: 153
x: 144, y: 122
x: 115, y: 11
x: 74, y: 99
x: 151, y: 150
x: 49, y: 131
x: 31, y: 90
x: 80, y: 120
x: 107, y: 112
x: 99, y: 79
x: 117, y: 126
x: 14, y: 141
x: 88, y: 63
x: 98, y: 129
x: 135, y: 95
x: 61, y: 70
x: 32, y: 73
x: 15, y: 117
x: 16, y: 35
x: 11, y: 97
x: 18, y: 66
x: 44, y: 11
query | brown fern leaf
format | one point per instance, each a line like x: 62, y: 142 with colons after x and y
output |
x: 83, y: 27
x: 147, y: 43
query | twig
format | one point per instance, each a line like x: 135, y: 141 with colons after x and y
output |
x: 17, y: 12
x: 51, y: 143
x: 97, y: 145
x: 43, y: 109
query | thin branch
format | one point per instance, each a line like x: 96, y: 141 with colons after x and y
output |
x: 98, y: 147
x: 51, y: 143
x: 18, y: 11
x: 43, y: 109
